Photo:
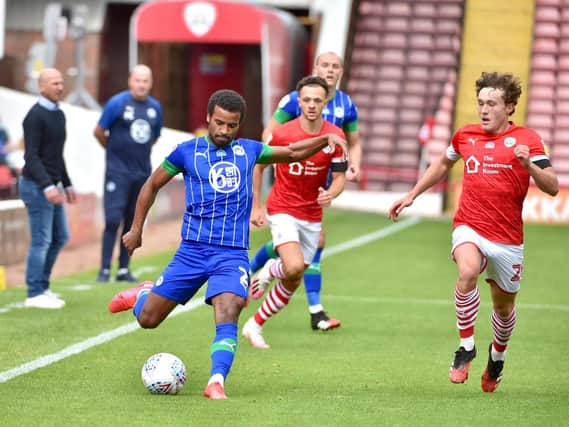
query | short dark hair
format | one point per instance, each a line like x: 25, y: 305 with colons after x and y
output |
x: 229, y: 100
x: 313, y: 81
x: 506, y: 81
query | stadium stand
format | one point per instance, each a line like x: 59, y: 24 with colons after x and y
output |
x: 548, y: 105
x: 402, y: 72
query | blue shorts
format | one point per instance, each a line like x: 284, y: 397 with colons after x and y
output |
x: 226, y: 269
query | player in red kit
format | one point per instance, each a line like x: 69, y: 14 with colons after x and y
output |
x: 499, y: 158
x: 294, y: 205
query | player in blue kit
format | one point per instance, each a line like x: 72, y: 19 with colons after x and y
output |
x: 218, y: 174
x: 130, y: 124
x: 342, y: 112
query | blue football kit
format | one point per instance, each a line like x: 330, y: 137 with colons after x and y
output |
x: 133, y: 127
x: 215, y: 228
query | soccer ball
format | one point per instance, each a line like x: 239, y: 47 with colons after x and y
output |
x: 164, y: 373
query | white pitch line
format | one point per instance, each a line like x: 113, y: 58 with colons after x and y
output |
x: 87, y: 344
x: 132, y: 326
x: 367, y: 238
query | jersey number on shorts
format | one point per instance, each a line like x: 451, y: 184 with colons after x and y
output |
x: 518, y: 273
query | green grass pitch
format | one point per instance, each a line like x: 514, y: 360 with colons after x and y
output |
x: 386, y: 365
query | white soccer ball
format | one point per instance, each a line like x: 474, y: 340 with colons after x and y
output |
x: 164, y: 373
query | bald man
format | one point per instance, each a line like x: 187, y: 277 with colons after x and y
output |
x: 130, y: 124
x: 44, y: 185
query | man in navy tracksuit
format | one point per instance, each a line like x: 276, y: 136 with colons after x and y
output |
x: 130, y: 124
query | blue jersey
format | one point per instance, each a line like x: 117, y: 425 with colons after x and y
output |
x: 340, y: 111
x: 219, y: 190
x: 133, y: 126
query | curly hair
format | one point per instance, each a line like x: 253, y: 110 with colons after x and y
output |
x: 229, y: 100
x: 509, y: 84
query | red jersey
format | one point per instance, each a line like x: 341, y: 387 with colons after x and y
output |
x: 495, y: 183
x: 296, y: 184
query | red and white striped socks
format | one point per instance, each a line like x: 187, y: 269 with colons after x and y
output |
x: 467, y: 306
x: 503, y: 328
x: 277, y: 269
x: 274, y: 302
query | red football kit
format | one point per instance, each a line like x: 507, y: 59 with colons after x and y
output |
x: 296, y: 184
x: 495, y: 183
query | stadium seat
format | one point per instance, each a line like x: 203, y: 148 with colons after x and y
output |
x: 411, y: 115
x: 383, y: 129
x: 546, y: 29
x: 419, y: 57
x: 389, y: 86
x: 448, y: 26
x: 563, y: 78
x: 394, y: 40
x: 365, y: 55
x: 415, y: 87
x: 539, y: 121
x: 563, y: 108
x: 542, y: 77
x: 384, y: 114
x: 371, y: 8
x: 408, y: 130
x: 425, y: 10
x: 421, y: 41
x: 564, y: 62
x: 400, y: 25
x: 540, y: 3
x: 541, y: 106
x: 393, y: 72
x: 450, y: 11
x: 547, y: 14
x: 561, y: 139
x: 398, y: 9
x: 542, y: 45
x: 393, y: 56
x: 386, y: 100
x: 419, y: 25
x: 542, y: 92
x: 564, y: 45
x: 367, y: 39
x: 562, y: 92
x: 544, y: 61
x: 446, y: 59
x: 410, y: 101
x: 406, y: 159
x: 370, y: 23
x: 545, y: 133
x: 417, y: 73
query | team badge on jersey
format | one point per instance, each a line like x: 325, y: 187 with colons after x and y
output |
x: 339, y: 112
x: 128, y: 113
x: 159, y: 281
x: 327, y: 150
x: 224, y: 177
x: 510, y: 141
x: 238, y: 150
x: 140, y: 131
x: 151, y: 113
